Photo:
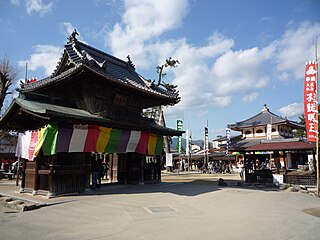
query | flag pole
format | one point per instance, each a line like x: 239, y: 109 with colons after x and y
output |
x: 317, y: 142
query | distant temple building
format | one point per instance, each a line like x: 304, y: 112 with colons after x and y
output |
x: 256, y: 127
x: 90, y: 107
x: 267, y: 145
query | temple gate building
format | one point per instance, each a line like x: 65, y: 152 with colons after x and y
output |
x: 91, y: 106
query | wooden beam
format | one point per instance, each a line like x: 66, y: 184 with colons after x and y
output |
x: 34, y: 114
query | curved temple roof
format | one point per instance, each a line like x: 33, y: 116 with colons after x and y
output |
x: 263, y: 118
x: 78, y: 55
x: 31, y: 111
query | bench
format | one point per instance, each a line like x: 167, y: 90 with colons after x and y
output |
x: 9, y: 175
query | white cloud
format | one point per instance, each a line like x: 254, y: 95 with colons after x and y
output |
x: 250, y: 97
x: 44, y: 56
x: 294, y: 49
x: 38, y: 6
x: 67, y: 28
x: 142, y: 22
x: 294, y: 109
x: 210, y: 74
x: 239, y: 72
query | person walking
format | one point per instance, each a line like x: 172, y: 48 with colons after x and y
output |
x: 94, y: 171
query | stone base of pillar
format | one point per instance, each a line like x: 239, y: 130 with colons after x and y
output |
x: 51, y: 195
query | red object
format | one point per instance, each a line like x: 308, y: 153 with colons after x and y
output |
x: 311, y: 101
x: 143, y: 143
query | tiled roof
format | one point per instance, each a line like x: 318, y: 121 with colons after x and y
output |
x: 7, y: 149
x: 42, y: 106
x: 29, y: 87
x: 78, y: 55
x: 285, y: 145
x: 262, y: 119
x: 243, y: 144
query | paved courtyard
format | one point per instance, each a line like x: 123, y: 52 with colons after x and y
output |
x: 184, y: 206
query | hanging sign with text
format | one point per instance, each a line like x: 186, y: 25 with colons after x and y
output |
x: 311, y: 101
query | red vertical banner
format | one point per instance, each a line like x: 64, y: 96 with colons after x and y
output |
x: 311, y: 101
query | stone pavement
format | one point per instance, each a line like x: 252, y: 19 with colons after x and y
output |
x: 184, y: 206
x: 10, y: 196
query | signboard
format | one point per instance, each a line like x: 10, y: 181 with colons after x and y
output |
x: 228, y: 141
x: 187, y: 142
x: 269, y: 131
x: 277, y: 179
x: 168, y: 159
x: 206, y: 142
x: 311, y: 101
x: 180, y: 128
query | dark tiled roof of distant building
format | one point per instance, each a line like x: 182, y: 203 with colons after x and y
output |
x: 262, y: 119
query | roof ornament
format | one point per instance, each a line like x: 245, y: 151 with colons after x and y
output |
x: 265, y: 108
x: 131, y: 63
x: 87, y: 58
x: 73, y: 35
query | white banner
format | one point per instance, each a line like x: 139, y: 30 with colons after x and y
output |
x: 187, y: 142
x: 168, y: 159
x: 228, y: 141
x: 269, y: 131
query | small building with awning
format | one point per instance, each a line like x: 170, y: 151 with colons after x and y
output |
x: 268, y: 146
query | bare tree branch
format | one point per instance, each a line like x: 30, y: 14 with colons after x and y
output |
x: 8, y: 74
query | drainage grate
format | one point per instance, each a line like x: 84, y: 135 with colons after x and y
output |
x: 160, y: 209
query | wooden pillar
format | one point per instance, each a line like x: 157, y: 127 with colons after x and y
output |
x: 141, y: 169
x: 23, y: 175
x: 51, y: 176
x: 114, y: 167
x: 18, y: 172
x: 160, y: 165
x: 52, y: 184
x: 314, y: 162
x: 36, y: 178
x: 277, y: 161
x: 88, y: 169
x: 246, y: 167
x: 111, y: 167
x: 254, y: 161
x: 285, y: 160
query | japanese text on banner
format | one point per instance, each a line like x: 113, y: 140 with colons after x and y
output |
x: 311, y: 101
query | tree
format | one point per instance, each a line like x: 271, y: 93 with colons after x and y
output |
x: 299, y: 133
x: 8, y: 74
x: 169, y: 63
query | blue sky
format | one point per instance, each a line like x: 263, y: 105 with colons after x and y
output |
x: 235, y: 56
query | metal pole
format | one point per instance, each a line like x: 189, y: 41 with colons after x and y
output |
x: 317, y: 142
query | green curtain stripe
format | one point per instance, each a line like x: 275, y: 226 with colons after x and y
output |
x: 115, y: 135
x: 49, y: 146
x: 159, y: 145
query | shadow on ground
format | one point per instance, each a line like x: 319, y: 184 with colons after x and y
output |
x: 182, y: 185
x: 179, y: 186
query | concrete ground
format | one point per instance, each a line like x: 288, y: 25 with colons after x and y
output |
x: 184, y: 206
